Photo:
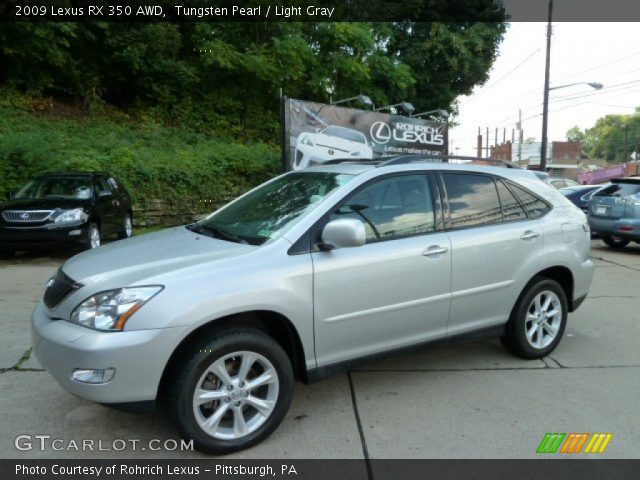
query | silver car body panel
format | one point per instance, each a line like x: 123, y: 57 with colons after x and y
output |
x: 343, y: 303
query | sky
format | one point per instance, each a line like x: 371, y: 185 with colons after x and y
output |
x: 606, y: 53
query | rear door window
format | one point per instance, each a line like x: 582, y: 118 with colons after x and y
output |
x: 512, y: 211
x: 473, y: 200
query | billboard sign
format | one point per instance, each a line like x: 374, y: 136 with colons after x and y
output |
x: 315, y: 133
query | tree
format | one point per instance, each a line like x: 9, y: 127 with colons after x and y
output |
x: 225, y: 78
x: 606, y: 139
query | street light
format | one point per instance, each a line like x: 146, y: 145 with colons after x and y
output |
x: 545, y: 116
x: 363, y: 99
x: 404, y: 106
x: 439, y: 111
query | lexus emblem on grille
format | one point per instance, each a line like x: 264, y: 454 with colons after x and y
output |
x: 49, y: 283
x: 24, y: 216
x: 331, y: 152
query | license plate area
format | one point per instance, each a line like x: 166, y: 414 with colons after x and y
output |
x: 601, y: 210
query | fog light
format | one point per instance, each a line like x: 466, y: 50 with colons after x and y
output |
x: 93, y: 376
x: 75, y: 232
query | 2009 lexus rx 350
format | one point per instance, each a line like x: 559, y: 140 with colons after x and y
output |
x: 306, y: 275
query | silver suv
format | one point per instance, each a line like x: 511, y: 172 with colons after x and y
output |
x: 614, y: 212
x: 307, y: 275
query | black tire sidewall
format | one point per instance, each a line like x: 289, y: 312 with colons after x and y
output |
x: 615, y: 243
x: 516, y: 328
x: 202, y: 358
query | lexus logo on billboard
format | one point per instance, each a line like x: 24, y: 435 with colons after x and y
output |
x: 382, y: 132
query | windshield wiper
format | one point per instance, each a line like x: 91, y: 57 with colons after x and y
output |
x: 215, y: 231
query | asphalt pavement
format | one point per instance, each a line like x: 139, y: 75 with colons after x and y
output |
x: 471, y: 400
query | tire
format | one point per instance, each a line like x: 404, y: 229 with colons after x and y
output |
x: 126, y: 229
x: 195, y: 369
x: 524, y: 319
x: 616, y: 243
x: 92, y: 238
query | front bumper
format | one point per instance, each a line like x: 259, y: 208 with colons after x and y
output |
x: 139, y: 357
x: 611, y: 226
x: 18, y: 238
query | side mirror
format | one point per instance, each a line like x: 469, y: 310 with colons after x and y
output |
x: 343, y: 233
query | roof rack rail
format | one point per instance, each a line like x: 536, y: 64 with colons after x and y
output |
x: 402, y: 159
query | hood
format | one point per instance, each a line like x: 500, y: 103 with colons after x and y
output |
x: 137, y: 258
x: 338, y: 143
x: 43, y: 204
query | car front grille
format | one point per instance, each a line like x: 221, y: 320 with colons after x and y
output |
x: 26, y: 216
x: 59, y: 287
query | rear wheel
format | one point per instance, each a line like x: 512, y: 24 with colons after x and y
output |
x: 126, y: 230
x: 538, y: 319
x: 231, y: 391
x: 615, y: 242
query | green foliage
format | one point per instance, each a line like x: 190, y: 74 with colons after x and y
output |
x: 187, y: 171
x: 225, y: 78
x: 606, y: 139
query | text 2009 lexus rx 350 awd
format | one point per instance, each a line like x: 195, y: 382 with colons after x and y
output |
x: 307, y: 275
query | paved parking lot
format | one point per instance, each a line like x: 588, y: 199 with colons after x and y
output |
x: 471, y: 400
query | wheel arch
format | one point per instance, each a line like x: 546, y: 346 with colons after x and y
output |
x: 564, y: 277
x: 274, y: 324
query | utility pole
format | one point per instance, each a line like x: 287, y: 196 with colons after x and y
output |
x: 519, y: 127
x: 479, y: 143
x: 545, y: 103
x: 487, y: 142
x: 625, y: 157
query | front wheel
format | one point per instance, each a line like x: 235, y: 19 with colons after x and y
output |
x: 538, y: 320
x: 231, y: 391
x: 92, y: 239
x: 615, y: 242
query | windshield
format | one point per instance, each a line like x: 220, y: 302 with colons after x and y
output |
x: 272, y: 209
x: 56, y: 187
x: 346, y: 133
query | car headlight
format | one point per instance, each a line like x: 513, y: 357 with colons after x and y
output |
x: 111, y: 309
x: 307, y: 141
x: 357, y: 153
x: 75, y: 215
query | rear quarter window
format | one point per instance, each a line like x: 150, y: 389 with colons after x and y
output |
x: 618, y: 190
x: 534, y: 206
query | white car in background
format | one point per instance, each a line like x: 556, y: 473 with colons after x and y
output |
x: 333, y: 142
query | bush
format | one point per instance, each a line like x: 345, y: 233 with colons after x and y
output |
x: 176, y: 170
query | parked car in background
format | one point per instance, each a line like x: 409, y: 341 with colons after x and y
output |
x: 328, y: 144
x: 305, y: 276
x: 614, y: 212
x: 561, y: 182
x: 580, y: 195
x: 65, y: 208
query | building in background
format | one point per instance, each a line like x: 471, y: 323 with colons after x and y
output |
x: 563, y: 157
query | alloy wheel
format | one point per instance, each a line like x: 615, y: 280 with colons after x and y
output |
x: 543, y: 319
x: 235, y: 395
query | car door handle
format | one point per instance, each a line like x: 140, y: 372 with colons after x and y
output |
x: 434, y: 251
x: 529, y: 235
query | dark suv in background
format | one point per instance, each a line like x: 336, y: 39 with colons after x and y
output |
x: 64, y: 208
